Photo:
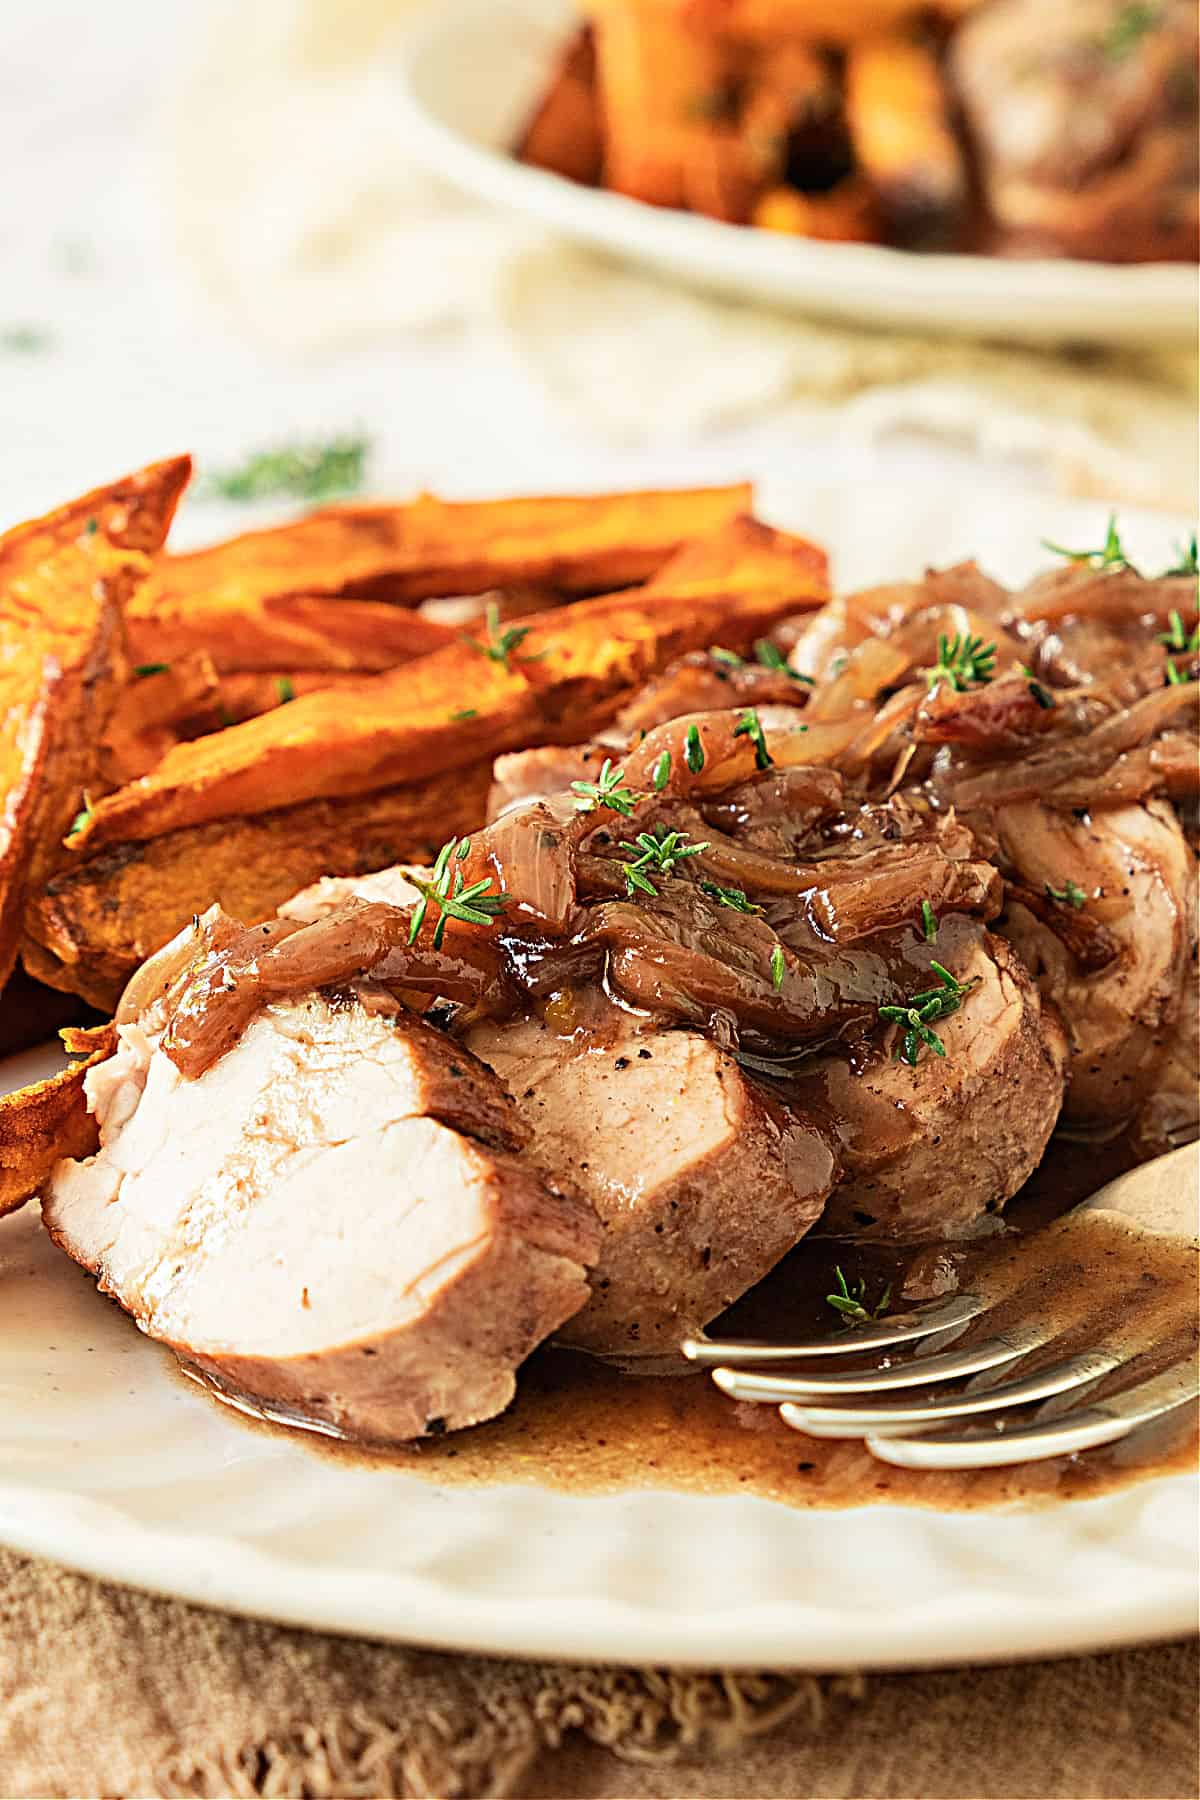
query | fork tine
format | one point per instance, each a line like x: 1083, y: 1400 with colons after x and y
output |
x: 917, y: 1371
x: 1104, y: 1422
x: 921, y: 1322
x: 863, y: 1421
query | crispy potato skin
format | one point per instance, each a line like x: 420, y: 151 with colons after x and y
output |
x: 91, y: 926
x: 64, y: 581
x: 570, y: 674
x: 49, y: 1120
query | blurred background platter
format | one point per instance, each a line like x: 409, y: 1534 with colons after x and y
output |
x: 460, y: 113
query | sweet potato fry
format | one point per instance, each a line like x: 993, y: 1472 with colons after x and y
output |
x: 669, y: 109
x: 431, y: 547
x: 39, y: 1124
x: 816, y: 21
x: 64, y: 580
x: 847, y: 214
x: 253, y: 691
x: 563, y: 134
x: 149, y: 711
x: 567, y: 675
x: 898, y: 113
x: 288, y: 631
x: 92, y: 925
x: 747, y: 556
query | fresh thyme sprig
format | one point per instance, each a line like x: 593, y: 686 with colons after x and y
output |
x: 1069, y: 894
x: 750, y: 726
x: 964, y: 661
x: 656, y: 852
x: 772, y: 657
x: 609, y: 790
x: 1188, y: 558
x: 734, y: 898
x: 501, y: 645
x: 918, y: 1014
x: 1110, y: 555
x: 312, y: 471
x: 1178, y: 640
x: 851, y: 1302
x: 472, y: 905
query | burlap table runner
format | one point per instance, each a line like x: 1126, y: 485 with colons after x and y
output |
x: 106, y: 1691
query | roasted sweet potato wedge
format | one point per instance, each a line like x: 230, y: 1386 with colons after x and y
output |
x: 566, y: 676
x: 92, y: 925
x: 289, y: 631
x: 150, y: 710
x: 563, y: 135
x: 898, y: 113
x: 581, y: 544
x: 746, y: 556
x: 42, y: 1123
x: 64, y: 580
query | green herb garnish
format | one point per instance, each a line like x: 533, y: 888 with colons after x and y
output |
x: 693, y: 750
x: 734, y: 898
x: 150, y: 669
x: 729, y: 657
x: 1177, y: 639
x: 659, y: 852
x: 772, y: 657
x: 778, y: 967
x: 285, y: 688
x: 918, y: 1014
x: 464, y: 712
x: 929, y: 924
x: 82, y: 816
x: 851, y: 1302
x: 609, y: 790
x: 750, y: 726
x: 314, y: 471
x: 472, y: 905
x: 1042, y: 695
x: 25, y: 340
x: 1188, y: 559
x: 1111, y: 554
x: 1069, y: 894
x: 963, y: 661
x: 500, y: 645
x: 662, y: 772
x: 1128, y: 29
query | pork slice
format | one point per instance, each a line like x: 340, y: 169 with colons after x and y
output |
x: 929, y: 1150
x: 333, y: 1219
x: 701, y: 1184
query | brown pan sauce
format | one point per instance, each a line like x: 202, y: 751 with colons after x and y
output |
x: 584, y: 1426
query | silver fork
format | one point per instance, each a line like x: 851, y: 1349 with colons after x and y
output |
x: 923, y: 1430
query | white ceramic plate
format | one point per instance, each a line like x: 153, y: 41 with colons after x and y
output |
x: 469, y: 72
x: 112, y: 1462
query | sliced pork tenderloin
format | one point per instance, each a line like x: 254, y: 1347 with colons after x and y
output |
x: 701, y: 1183
x: 332, y: 1219
x: 929, y: 1149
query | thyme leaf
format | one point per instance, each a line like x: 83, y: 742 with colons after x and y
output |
x: 609, y: 790
x: 1069, y: 894
x: 963, y: 661
x: 693, y: 750
x: 920, y: 1011
x: 734, y: 898
x: 750, y: 725
x: 285, y: 688
x: 1187, y: 558
x: 662, y: 772
x: 851, y: 1302
x: 472, y: 905
x: 1178, y: 639
x: 141, y: 669
x: 1110, y: 555
x: 772, y: 657
x: 778, y: 967
x: 500, y: 645
x: 306, y: 471
x: 929, y: 924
